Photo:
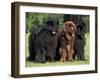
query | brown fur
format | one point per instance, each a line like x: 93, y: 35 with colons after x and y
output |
x: 67, y: 41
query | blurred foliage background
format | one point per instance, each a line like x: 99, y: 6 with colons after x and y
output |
x: 35, y: 19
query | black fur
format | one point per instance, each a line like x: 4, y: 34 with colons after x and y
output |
x: 43, y: 42
x: 80, y: 42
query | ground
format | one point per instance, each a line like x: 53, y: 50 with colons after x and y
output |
x: 58, y: 63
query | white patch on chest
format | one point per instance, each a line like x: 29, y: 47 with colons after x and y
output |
x: 68, y: 47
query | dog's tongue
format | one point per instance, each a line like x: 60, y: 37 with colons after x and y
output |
x: 54, y: 32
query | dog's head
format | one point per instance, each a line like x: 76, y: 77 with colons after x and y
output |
x: 69, y: 29
x: 51, y: 27
x: 80, y: 29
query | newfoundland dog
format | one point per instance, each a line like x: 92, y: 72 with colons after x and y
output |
x: 66, y: 41
x: 80, y: 42
x: 43, y: 42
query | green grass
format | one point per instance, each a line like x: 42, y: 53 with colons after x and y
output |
x: 58, y: 63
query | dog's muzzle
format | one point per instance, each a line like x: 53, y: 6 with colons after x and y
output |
x: 53, y: 32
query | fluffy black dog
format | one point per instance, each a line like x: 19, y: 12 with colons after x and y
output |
x: 43, y: 42
x: 80, y: 42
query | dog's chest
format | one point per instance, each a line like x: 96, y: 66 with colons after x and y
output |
x: 48, y: 39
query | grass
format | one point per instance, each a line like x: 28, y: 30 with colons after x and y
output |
x: 58, y: 63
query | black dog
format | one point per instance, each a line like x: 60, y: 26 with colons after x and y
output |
x: 80, y: 42
x: 43, y: 42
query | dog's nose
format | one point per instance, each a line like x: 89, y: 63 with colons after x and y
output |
x: 54, y: 32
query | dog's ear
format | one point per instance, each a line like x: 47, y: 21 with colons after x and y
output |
x: 74, y: 26
x: 65, y: 26
x: 84, y: 27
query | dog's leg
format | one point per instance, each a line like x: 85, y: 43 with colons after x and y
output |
x: 40, y: 56
x: 82, y: 56
x: 79, y: 53
x: 63, y: 55
x: 51, y: 53
x: 75, y: 54
x: 70, y: 52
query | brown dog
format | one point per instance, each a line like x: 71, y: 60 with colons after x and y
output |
x: 67, y: 38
